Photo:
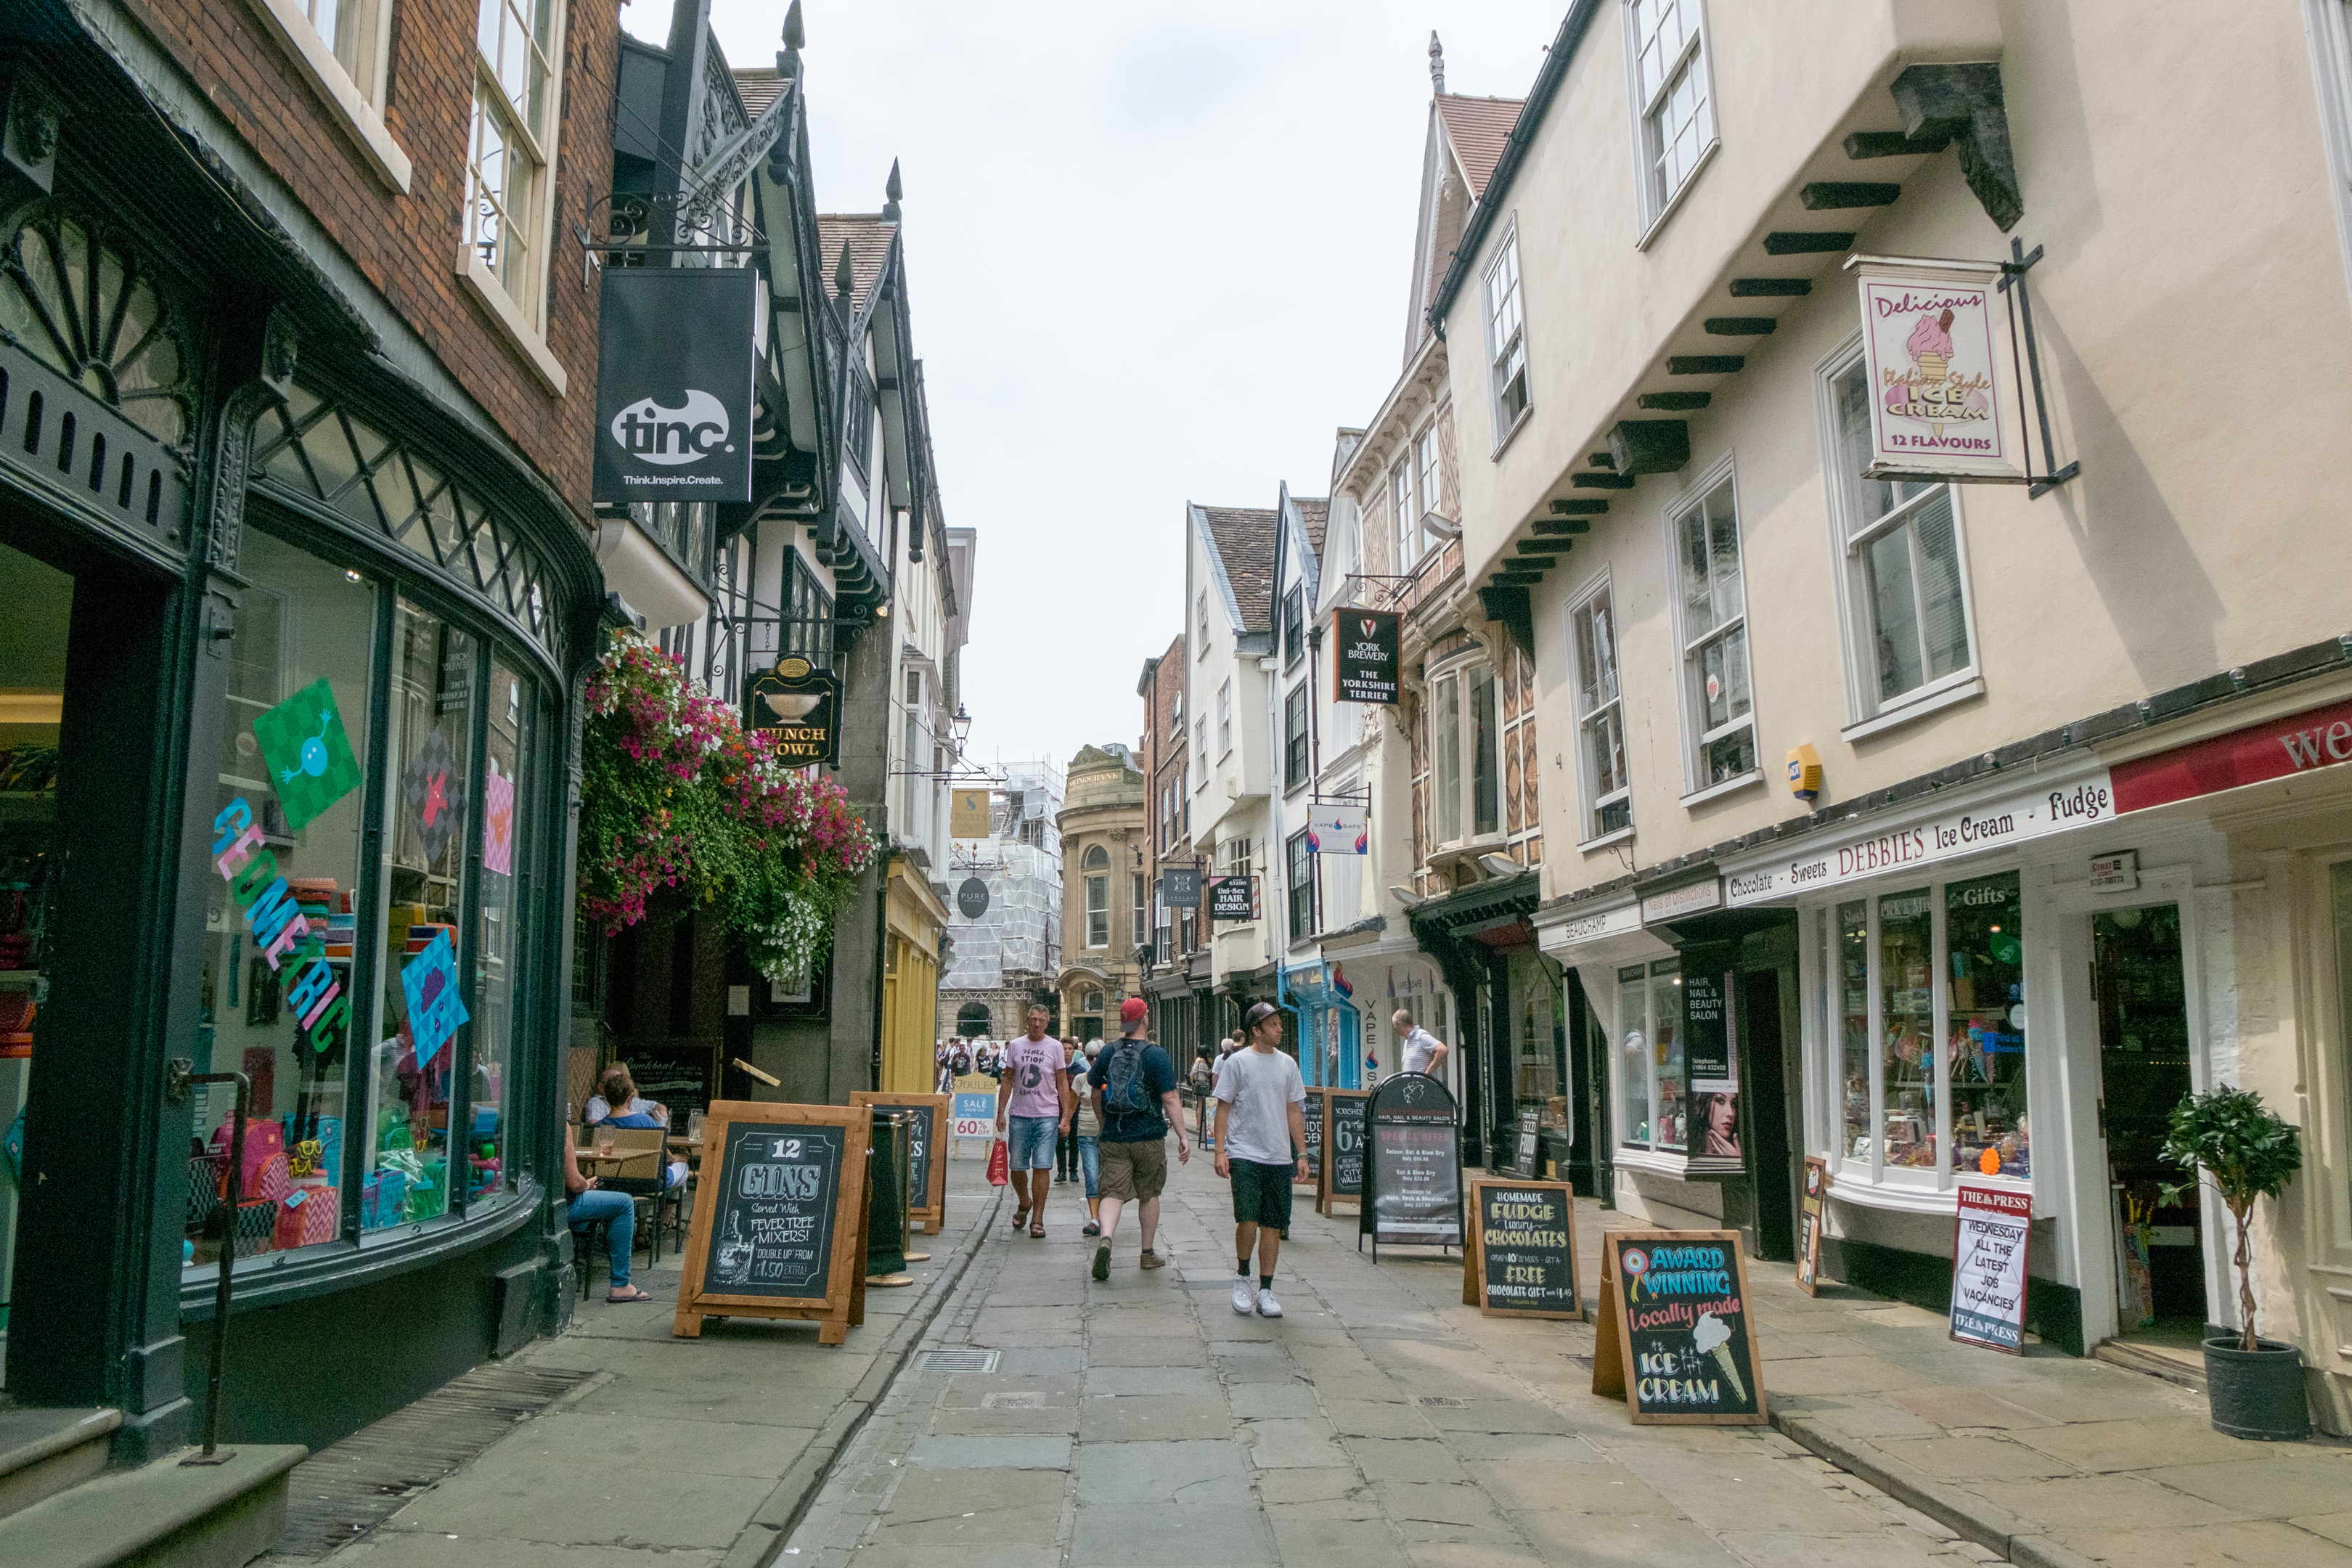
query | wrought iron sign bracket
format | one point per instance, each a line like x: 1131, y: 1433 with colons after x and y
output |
x: 2020, y: 306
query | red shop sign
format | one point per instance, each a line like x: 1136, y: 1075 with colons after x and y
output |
x: 2318, y: 739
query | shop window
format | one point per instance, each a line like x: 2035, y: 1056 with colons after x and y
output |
x: 429, y: 809
x: 1599, y: 717
x: 1908, y: 618
x: 1539, y: 1042
x: 1718, y: 702
x: 284, y: 836
x: 1653, y: 1082
x: 1445, y: 762
x: 1942, y: 962
x: 509, y: 774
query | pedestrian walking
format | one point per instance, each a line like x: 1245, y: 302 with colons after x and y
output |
x: 1203, y: 1079
x: 1086, y: 1128
x: 1134, y: 1086
x: 1037, y: 1103
x: 1422, y: 1051
x: 1065, y: 1147
x: 1261, y: 1148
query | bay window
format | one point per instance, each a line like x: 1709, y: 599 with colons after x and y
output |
x: 1941, y: 963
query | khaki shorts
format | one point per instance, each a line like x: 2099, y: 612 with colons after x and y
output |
x: 1132, y: 1171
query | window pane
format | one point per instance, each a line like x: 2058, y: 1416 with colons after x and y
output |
x: 1945, y: 625
x: 1852, y: 962
x: 1635, y: 1063
x: 1727, y: 757
x: 428, y: 810
x: 1984, y: 931
x: 1447, y: 763
x: 507, y: 783
x: 1486, y: 770
x: 1605, y: 733
x: 1907, y: 1003
x: 1870, y: 498
x: 280, y: 916
x: 1673, y: 1122
x: 1894, y: 619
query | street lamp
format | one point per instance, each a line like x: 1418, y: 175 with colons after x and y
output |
x: 960, y: 727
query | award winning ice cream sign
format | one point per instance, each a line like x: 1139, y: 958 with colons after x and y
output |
x: 1943, y: 401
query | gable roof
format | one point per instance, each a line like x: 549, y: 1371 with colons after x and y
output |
x: 1316, y: 513
x: 1476, y: 129
x: 869, y: 237
x: 1241, y: 539
x: 759, y: 87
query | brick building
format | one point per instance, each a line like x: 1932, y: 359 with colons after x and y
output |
x: 1176, y: 980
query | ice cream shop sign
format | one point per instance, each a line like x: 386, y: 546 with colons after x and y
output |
x: 1942, y: 400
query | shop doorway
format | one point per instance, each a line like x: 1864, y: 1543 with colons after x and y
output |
x: 2139, y: 996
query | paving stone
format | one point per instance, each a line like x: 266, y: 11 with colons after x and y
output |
x: 1037, y: 1360
x: 1974, y: 1407
x: 1494, y: 1552
x: 1042, y: 1421
x: 1294, y: 1442
x: 2138, y: 1445
x: 2273, y: 1486
x: 1436, y: 1502
x: 1495, y: 1416
x: 1875, y: 1549
x: 1186, y: 1535
x: 1038, y: 1453
x: 1304, y: 1486
x: 1135, y: 1350
x: 2084, y: 1502
x: 1146, y: 1474
x: 971, y: 1391
x: 1307, y: 1539
x: 1366, y: 1419
x: 1548, y: 1447
x: 1974, y: 1458
x: 390, y: 1548
x: 1583, y: 1541
x: 1404, y: 1459
x: 2267, y: 1543
x: 1132, y: 1380
x: 1266, y: 1401
x: 2336, y: 1527
x: 1839, y: 1374
x: 974, y: 1508
x: 1146, y: 1418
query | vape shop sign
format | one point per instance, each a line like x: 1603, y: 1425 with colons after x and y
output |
x: 1942, y: 387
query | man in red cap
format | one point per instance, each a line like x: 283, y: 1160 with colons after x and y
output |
x: 1134, y: 1088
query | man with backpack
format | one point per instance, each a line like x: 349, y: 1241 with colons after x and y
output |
x: 1134, y: 1088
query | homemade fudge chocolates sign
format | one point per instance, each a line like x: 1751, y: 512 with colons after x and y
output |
x: 1675, y: 1342
x: 781, y: 1232
x: 1988, y: 1269
x: 1811, y: 1206
x: 1311, y: 1114
x: 1343, y: 1146
x: 927, y: 1177
x: 1521, y: 1259
x: 1413, y: 1165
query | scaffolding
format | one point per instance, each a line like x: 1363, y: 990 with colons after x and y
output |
x: 1018, y: 940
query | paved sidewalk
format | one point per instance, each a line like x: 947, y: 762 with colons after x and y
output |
x: 703, y: 1451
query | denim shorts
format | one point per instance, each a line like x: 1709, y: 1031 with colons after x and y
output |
x: 1030, y: 1145
x: 1261, y: 1194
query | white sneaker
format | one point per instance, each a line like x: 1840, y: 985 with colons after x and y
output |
x: 1244, y: 1299
x: 1268, y: 1307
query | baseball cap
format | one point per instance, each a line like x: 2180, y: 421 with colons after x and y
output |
x: 1132, y: 1010
x: 1259, y: 1015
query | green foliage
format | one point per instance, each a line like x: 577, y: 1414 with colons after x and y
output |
x: 2247, y: 1151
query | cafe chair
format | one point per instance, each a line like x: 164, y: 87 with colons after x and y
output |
x: 643, y: 1175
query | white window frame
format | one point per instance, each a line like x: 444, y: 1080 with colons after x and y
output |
x: 1203, y: 652
x: 1139, y: 915
x: 2327, y: 27
x: 1690, y: 689
x: 1867, y: 713
x: 1224, y: 720
x: 1590, y: 835
x: 1098, y: 910
x: 1428, y: 483
x: 1695, y: 57
x: 1408, y: 521
x: 520, y: 318
x: 351, y: 89
x: 1506, y: 340
x: 1200, y: 753
x: 1459, y: 682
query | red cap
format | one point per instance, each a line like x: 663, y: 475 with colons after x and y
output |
x: 1132, y: 1010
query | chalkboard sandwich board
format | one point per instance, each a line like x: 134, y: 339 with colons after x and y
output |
x: 1343, y: 1147
x: 926, y: 1176
x: 1520, y: 1262
x: 1413, y: 1165
x: 1530, y: 1146
x: 778, y: 1217
x: 1810, y: 1205
x: 1677, y: 1341
x: 1311, y: 1114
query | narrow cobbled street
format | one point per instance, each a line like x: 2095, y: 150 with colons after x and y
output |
x: 1378, y: 1422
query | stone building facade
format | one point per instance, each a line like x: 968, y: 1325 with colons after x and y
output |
x: 1105, y: 903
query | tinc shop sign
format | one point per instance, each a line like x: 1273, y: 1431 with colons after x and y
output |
x: 2052, y: 808
x: 1943, y: 395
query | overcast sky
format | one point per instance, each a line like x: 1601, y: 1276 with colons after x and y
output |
x: 1156, y: 252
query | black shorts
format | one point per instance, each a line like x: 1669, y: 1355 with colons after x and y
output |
x: 1261, y: 1194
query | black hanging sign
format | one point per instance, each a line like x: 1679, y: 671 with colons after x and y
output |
x: 1233, y: 899
x: 1180, y: 887
x: 1365, y: 661
x: 1413, y: 1165
x: 1343, y: 1146
x: 781, y: 1230
x: 1521, y: 1259
x: 799, y: 705
x: 1311, y: 1114
x: 674, y: 384
x: 1677, y: 1341
x: 971, y: 898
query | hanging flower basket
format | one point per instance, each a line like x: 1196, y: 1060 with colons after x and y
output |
x: 675, y: 794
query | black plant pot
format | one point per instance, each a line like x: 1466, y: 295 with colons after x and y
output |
x: 2257, y: 1395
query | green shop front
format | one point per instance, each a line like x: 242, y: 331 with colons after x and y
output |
x: 289, y: 644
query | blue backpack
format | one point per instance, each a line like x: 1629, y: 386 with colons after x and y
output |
x: 1127, y: 1086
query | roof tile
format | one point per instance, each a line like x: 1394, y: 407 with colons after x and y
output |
x: 1244, y: 543
x: 869, y: 237
x: 1478, y: 128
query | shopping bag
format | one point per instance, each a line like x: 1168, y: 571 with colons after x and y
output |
x: 998, y: 1164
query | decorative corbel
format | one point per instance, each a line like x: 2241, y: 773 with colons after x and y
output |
x: 1962, y: 104
x: 265, y: 378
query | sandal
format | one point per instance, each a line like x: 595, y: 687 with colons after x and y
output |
x: 1037, y: 1230
x: 1020, y: 1219
x: 619, y: 1300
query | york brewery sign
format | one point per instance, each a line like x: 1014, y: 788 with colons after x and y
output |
x: 1364, y: 669
x: 1940, y: 383
x: 674, y: 384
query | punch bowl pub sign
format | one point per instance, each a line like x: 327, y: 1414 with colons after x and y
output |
x: 800, y: 706
x: 1941, y: 377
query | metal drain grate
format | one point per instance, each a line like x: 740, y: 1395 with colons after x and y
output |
x: 956, y: 1361
x: 1437, y: 1401
x: 340, y: 1492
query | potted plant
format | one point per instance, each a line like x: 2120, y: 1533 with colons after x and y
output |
x: 2247, y: 1151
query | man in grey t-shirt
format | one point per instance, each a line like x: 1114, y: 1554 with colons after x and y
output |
x: 1261, y: 1146
x: 1422, y: 1051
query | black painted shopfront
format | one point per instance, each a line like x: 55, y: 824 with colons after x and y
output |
x: 290, y: 649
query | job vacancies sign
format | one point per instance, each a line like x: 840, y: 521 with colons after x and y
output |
x: 1943, y: 398
x: 1364, y: 665
x: 2048, y: 809
x: 674, y: 384
x: 1988, y: 1273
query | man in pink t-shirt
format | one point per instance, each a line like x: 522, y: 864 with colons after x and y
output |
x: 1035, y: 1095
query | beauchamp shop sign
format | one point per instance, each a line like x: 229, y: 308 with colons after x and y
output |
x: 1943, y: 395
x: 674, y: 384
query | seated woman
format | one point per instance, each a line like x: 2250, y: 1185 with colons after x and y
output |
x: 590, y: 1204
x: 614, y: 1087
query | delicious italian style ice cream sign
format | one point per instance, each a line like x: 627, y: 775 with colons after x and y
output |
x: 1943, y: 398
